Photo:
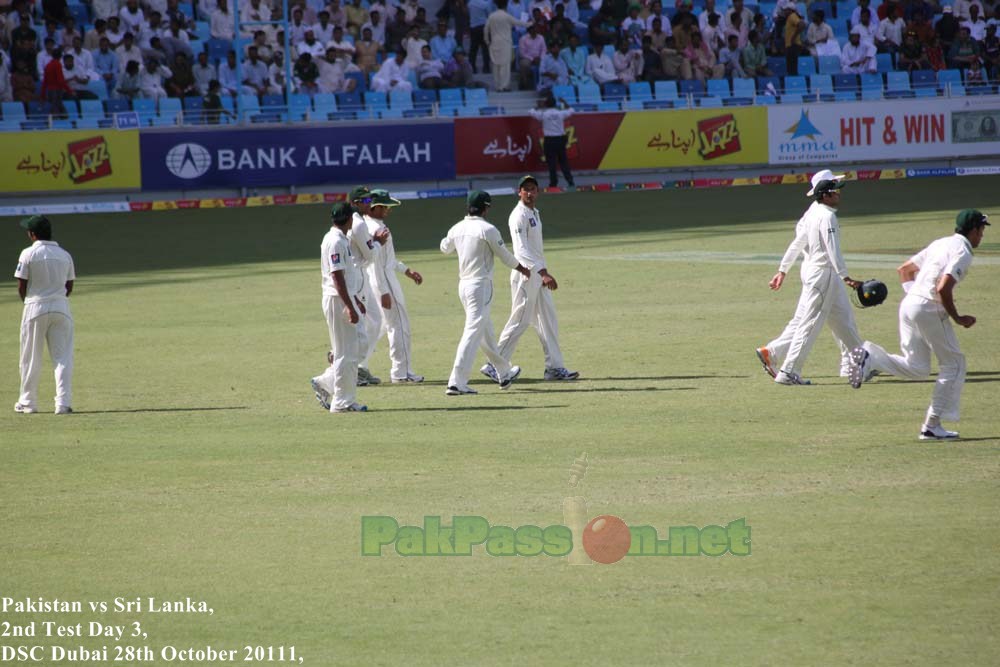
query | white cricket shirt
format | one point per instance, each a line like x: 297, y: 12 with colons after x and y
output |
x: 951, y: 255
x: 552, y: 120
x: 384, y: 262
x: 817, y: 235
x: 47, y: 268
x: 335, y: 255
x: 477, y: 242
x: 526, y: 234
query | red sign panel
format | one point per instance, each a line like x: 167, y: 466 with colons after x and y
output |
x: 514, y: 144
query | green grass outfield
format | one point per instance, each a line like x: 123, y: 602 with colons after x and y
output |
x: 198, y: 463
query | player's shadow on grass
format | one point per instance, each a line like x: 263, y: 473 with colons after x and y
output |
x: 463, y: 408
x: 633, y: 378
x: 613, y: 390
x: 138, y: 410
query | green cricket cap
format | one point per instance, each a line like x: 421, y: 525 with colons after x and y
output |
x: 382, y: 198
x: 969, y: 219
x: 479, y: 199
x: 360, y: 192
x: 37, y: 224
x: 526, y: 179
x: 341, y: 211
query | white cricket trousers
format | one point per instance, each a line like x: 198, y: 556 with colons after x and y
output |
x: 924, y: 327
x: 779, y: 346
x: 823, y: 300
x: 396, y: 326
x: 531, y: 306
x: 341, y: 377
x: 55, y: 329
x: 371, y: 323
x: 476, y: 296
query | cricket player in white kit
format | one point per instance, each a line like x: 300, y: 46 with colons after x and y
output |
x: 45, y: 276
x: 531, y: 301
x: 477, y: 242
x: 341, y: 282
x: 823, y: 298
x: 365, y: 252
x: 929, y: 279
x: 383, y: 269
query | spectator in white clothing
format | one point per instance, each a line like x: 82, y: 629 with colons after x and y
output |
x: 393, y: 75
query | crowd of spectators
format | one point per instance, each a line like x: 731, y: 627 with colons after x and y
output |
x: 150, y: 48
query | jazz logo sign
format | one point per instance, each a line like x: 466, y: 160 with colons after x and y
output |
x: 89, y: 159
x: 718, y: 136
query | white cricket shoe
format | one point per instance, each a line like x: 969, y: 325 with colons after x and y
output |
x: 322, y: 395
x: 353, y: 407
x: 64, y: 410
x: 489, y: 371
x: 515, y: 371
x: 859, y: 372
x: 764, y: 356
x: 936, y: 433
x: 560, y: 374
x: 410, y: 377
x: 790, y: 378
x: 24, y: 409
x: 455, y: 390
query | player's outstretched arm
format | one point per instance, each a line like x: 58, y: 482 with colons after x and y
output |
x: 548, y: 280
x: 777, y: 281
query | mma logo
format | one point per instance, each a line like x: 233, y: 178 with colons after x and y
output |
x: 718, y: 136
x: 89, y: 159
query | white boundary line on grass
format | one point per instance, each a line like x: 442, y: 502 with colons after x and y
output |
x: 860, y: 260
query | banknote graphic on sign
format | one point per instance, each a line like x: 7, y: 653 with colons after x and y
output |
x: 975, y: 126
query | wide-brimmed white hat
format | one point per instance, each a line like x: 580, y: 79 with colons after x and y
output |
x: 820, y: 176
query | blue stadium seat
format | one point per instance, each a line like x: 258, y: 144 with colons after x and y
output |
x: 692, y: 87
x: 819, y: 6
x: 91, y: 109
x: 13, y: 111
x: 872, y: 82
x: 567, y: 93
x: 795, y: 85
x: 360, y: 81
x: 491, y: 111
x: 766, y: 99
x: 376, y: 101
x: 828, y: 65
x: 145, y: 108
x: 193, y: 110
x: 343, y: 115
x: 777, y: 65
x: 203, y: 31
x: 63, y: 124
x: 744, y: 87
x: 450, y: 99
x: 658, y: 104
x: 218, y: 48
x: 417, y: 112
x: 718, y: 88
x: 401, y: 99
x: 665, y: 90
x: 924, y: 82
x: 117, y: 105
x: 272, y: 102
x: 325, y: 104
x: 80, y: 14
x: 639, y: 91
x: 424, y: 99
x: 169, y: 112
x: 589, y: 93
x: 897, y: 85
x: 807, y: 66
x: 38, y: 109
x: 390, y: 113
x: 39, y: 124
x: 299, y: 106
x: 821, y: 87
x: 845, y: 82
x: 349, y: 102
x: 614, y: 92
x: 791, y: 98
x: 709, y: 101
x: 845, y: 96
x: 951, y: 79
x: 249, y: 107
x: 476, y: 98
x: 883, y: 62
x: 762, y: 82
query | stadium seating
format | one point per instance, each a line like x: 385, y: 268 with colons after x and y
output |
x: 450, y: 99
x: 476, y: 98
x: 424, y: 100
x: 169, y: 111
x: 795, y: 85
x: 718, y: 88
x: 145, y: 109
x: 807, y: 66
x: 567, y: 93
x: 821, y: 87
x: 828, y: 65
